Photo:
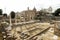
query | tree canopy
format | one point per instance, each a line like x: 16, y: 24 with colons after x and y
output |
x: 12, y: 14
x: 5, y: 14
x: 57, y: 12
x: 1, y: 11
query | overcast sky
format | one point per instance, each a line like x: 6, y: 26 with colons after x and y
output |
x: 20, y: 5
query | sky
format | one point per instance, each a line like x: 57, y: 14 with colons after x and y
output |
x: 19, y: 5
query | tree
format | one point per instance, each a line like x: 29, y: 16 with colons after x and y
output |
x: 12, y: 14
x: 1, y: 11
x: 38, y: 16
x: 5, y: 15
x: 57, y: 12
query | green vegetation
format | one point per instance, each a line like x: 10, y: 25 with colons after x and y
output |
x: 12, y: 14
x: 57, y: 12
x: 1, y: 11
